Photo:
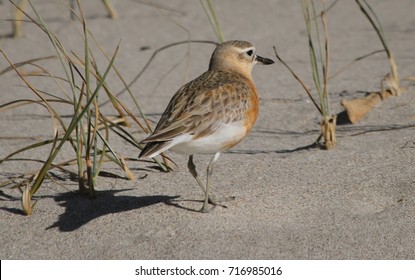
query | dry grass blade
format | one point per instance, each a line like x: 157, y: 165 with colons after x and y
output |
x: 299, y: 80
x: 111, y: 11
x: 30, y: 61
x: 23, y: 102
x: 18, y: 18
x: 27, y: 200
x: 49, y: 108
x: 27, y: 148
x: 46, y: 104
x: 392, y: 79
x: 127, y: 170
x: 46, y: 74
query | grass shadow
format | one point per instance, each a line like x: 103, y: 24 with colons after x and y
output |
x: 80, y: 210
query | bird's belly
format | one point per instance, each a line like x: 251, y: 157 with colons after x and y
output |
x: 227, y: 136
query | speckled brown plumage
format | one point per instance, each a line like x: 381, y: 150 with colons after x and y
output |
x: 204, y: 103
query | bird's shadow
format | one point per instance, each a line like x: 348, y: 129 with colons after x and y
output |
x: 80, y: 210
x: 285, y: 151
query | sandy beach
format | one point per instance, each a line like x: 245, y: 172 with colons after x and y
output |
x: 356, y: 201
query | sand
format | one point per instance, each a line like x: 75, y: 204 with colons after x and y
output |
x: 356, y: 201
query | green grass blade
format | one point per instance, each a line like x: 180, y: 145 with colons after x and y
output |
x: 377, y: 28
x: 211, y: 14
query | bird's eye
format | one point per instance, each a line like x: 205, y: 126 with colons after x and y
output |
x: 250, y: 52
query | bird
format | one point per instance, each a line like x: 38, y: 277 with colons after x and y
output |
x: 211, y: 113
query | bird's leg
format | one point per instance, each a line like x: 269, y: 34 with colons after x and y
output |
x: 209, y: 175
x: 192, y: 170
x: 211, y: 198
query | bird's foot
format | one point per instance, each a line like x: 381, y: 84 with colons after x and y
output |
x: 215, y: 202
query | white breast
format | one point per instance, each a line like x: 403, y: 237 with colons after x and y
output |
x: 226, y: 133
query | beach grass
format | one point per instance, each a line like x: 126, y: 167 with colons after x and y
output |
x: 316, y: 21
x: 89, y: 131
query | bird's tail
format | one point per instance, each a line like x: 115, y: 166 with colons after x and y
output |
x: 153, y: 149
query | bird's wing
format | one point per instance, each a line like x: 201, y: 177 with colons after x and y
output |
x: 200, y: 106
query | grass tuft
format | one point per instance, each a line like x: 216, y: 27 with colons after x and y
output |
x: 319, y: 53
x: 88, y: 131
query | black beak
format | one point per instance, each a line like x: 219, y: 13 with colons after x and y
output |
x: 263, y: 60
